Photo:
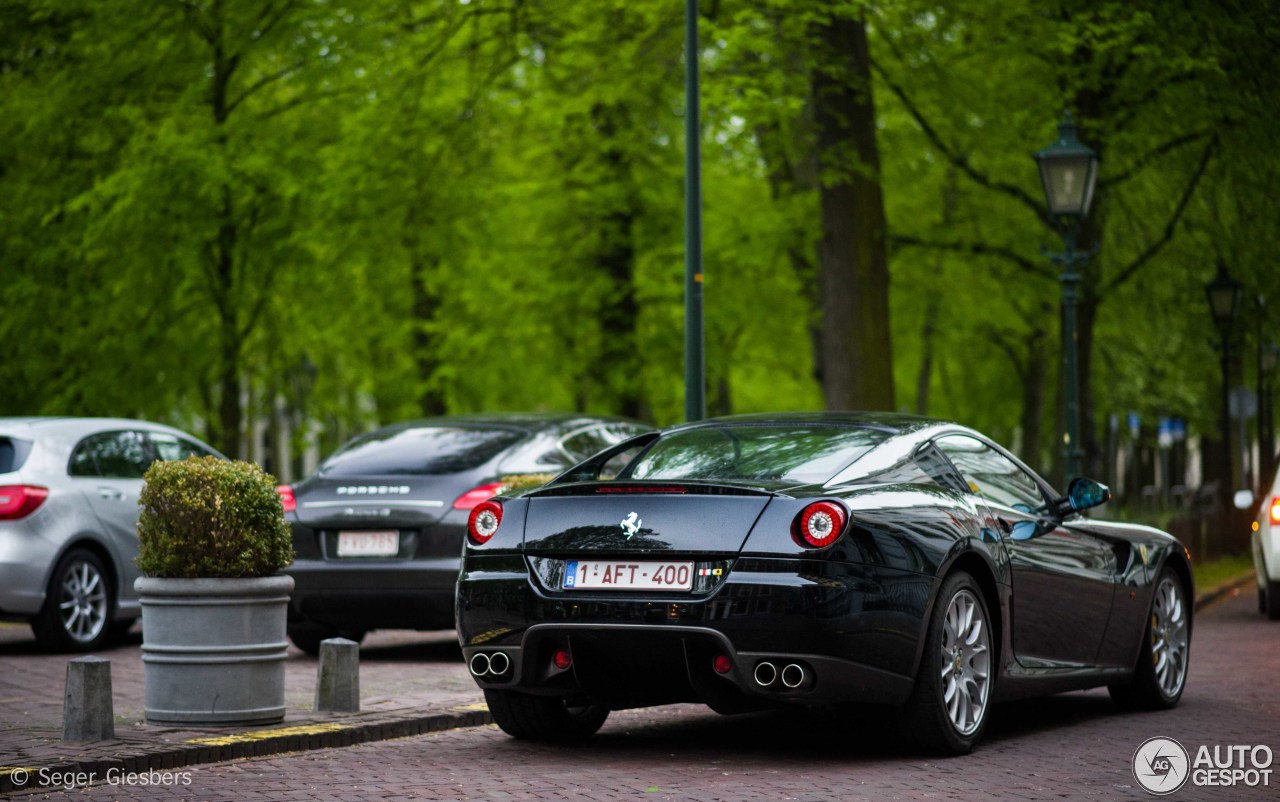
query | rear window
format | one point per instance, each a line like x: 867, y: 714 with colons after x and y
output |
x: 429, y: 451
x: 809, y: 454
x: 13, y: 452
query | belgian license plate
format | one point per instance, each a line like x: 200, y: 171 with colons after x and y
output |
x: 628, y: 575
x: 368, y: 544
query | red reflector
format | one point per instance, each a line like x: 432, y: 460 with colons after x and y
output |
x: 722, y: 664
x: 562, y: 659
x: 483, y: 522
x: 1275, y: 510
x: 471, y: 498
x: 642, y: 489
x: 819, y: 524
x: 286, y: 498
x: 19, y: 501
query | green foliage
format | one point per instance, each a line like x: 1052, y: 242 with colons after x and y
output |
x: 362, y: 213
x: 207, y: 517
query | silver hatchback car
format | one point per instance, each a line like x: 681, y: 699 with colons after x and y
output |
x: 68, y: 522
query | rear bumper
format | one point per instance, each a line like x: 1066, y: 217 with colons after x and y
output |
x: 1266, y: 551
x: 409, y: 594
x: 852, y: 629
x: 26, y: 558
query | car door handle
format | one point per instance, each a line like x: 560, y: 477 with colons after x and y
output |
x: 111, y: 493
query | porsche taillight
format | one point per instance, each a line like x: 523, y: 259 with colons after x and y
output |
x: 1275, y: 511
x: 287, y: 499
x: 469, y: 499
x: 19, y: 501
x: 484, y: 521
x: 819, y: 525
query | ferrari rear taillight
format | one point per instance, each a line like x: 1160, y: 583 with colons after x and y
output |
x: 562, y: 659
x: 287, y: 499
x: 1275, y: 511
x: 19, y: 501
x: 820, y: 524
x: 484, y: 521
x: 469, y: 499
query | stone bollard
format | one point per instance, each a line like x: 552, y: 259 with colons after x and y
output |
x: 338, y: 676
x: 87, y: 713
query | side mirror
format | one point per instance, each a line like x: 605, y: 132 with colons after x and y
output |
x: 1243, y: 499
x: 1084, y: 493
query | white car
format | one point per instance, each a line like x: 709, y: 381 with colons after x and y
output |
x: 1266, y: 552
x: 68, y: 522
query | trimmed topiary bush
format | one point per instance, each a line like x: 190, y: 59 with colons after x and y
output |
x: 208, y: 517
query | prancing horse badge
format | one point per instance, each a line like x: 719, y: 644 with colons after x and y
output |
x: 631, y: 524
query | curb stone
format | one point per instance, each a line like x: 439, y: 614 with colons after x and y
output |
x: 161, y: 757
x: 1223, y: 588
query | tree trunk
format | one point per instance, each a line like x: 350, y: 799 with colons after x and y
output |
x: 853, y: 264
x: 616, y: 365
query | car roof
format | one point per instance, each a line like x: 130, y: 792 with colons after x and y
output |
x: 71, y: 423
x: 524, y: 421
x: 893, y: 422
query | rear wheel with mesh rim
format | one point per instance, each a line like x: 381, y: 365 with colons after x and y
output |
x: 1161, y: 673
x: 544, y: 718
x: 947, y: 710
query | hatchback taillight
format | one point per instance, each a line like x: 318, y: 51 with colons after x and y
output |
x: 287, y: 499
x: 820, y: 524
x: 469, y: 499
x: 483, y: 522
x: 19, y: 501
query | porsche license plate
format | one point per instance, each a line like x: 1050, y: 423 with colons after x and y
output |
x: 368, y: 544
x: 628, y: 575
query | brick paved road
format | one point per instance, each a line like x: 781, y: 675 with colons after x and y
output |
x: 1074, y: 746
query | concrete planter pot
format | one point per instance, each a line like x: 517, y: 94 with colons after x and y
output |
x: 213, y: 650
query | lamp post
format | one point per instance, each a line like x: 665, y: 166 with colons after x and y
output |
x: 695, y: 405
x: 1224, y: 300
x: 1068, y: 172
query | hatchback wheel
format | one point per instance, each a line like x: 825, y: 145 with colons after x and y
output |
x: 77, y: 605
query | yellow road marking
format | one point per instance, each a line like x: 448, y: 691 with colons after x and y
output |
x: 475, y: 706
x: 262, y: 735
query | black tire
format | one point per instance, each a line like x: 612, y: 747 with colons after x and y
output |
x: 544, y: 718
x: 1273, y: 601
x: 937, y: 700
x: 1163, y: 660
x: 307, y: 636
x: 78, y: 605
x: 1262, y: 599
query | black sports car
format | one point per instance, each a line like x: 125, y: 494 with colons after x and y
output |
x: 378, y: 529
x: 812, y: 559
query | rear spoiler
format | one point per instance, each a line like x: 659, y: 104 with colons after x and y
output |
x: 640, y: 487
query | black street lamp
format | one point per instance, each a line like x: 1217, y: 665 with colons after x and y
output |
x: 1224, y: 301
x: 695, y: 405
x: 1069, y: 172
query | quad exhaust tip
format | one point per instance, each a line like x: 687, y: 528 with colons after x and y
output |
x: 765, y: 673
x: 793, y: 676
x: 490, y: 664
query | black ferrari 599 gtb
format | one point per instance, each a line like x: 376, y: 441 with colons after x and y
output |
x: 813, y: 559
